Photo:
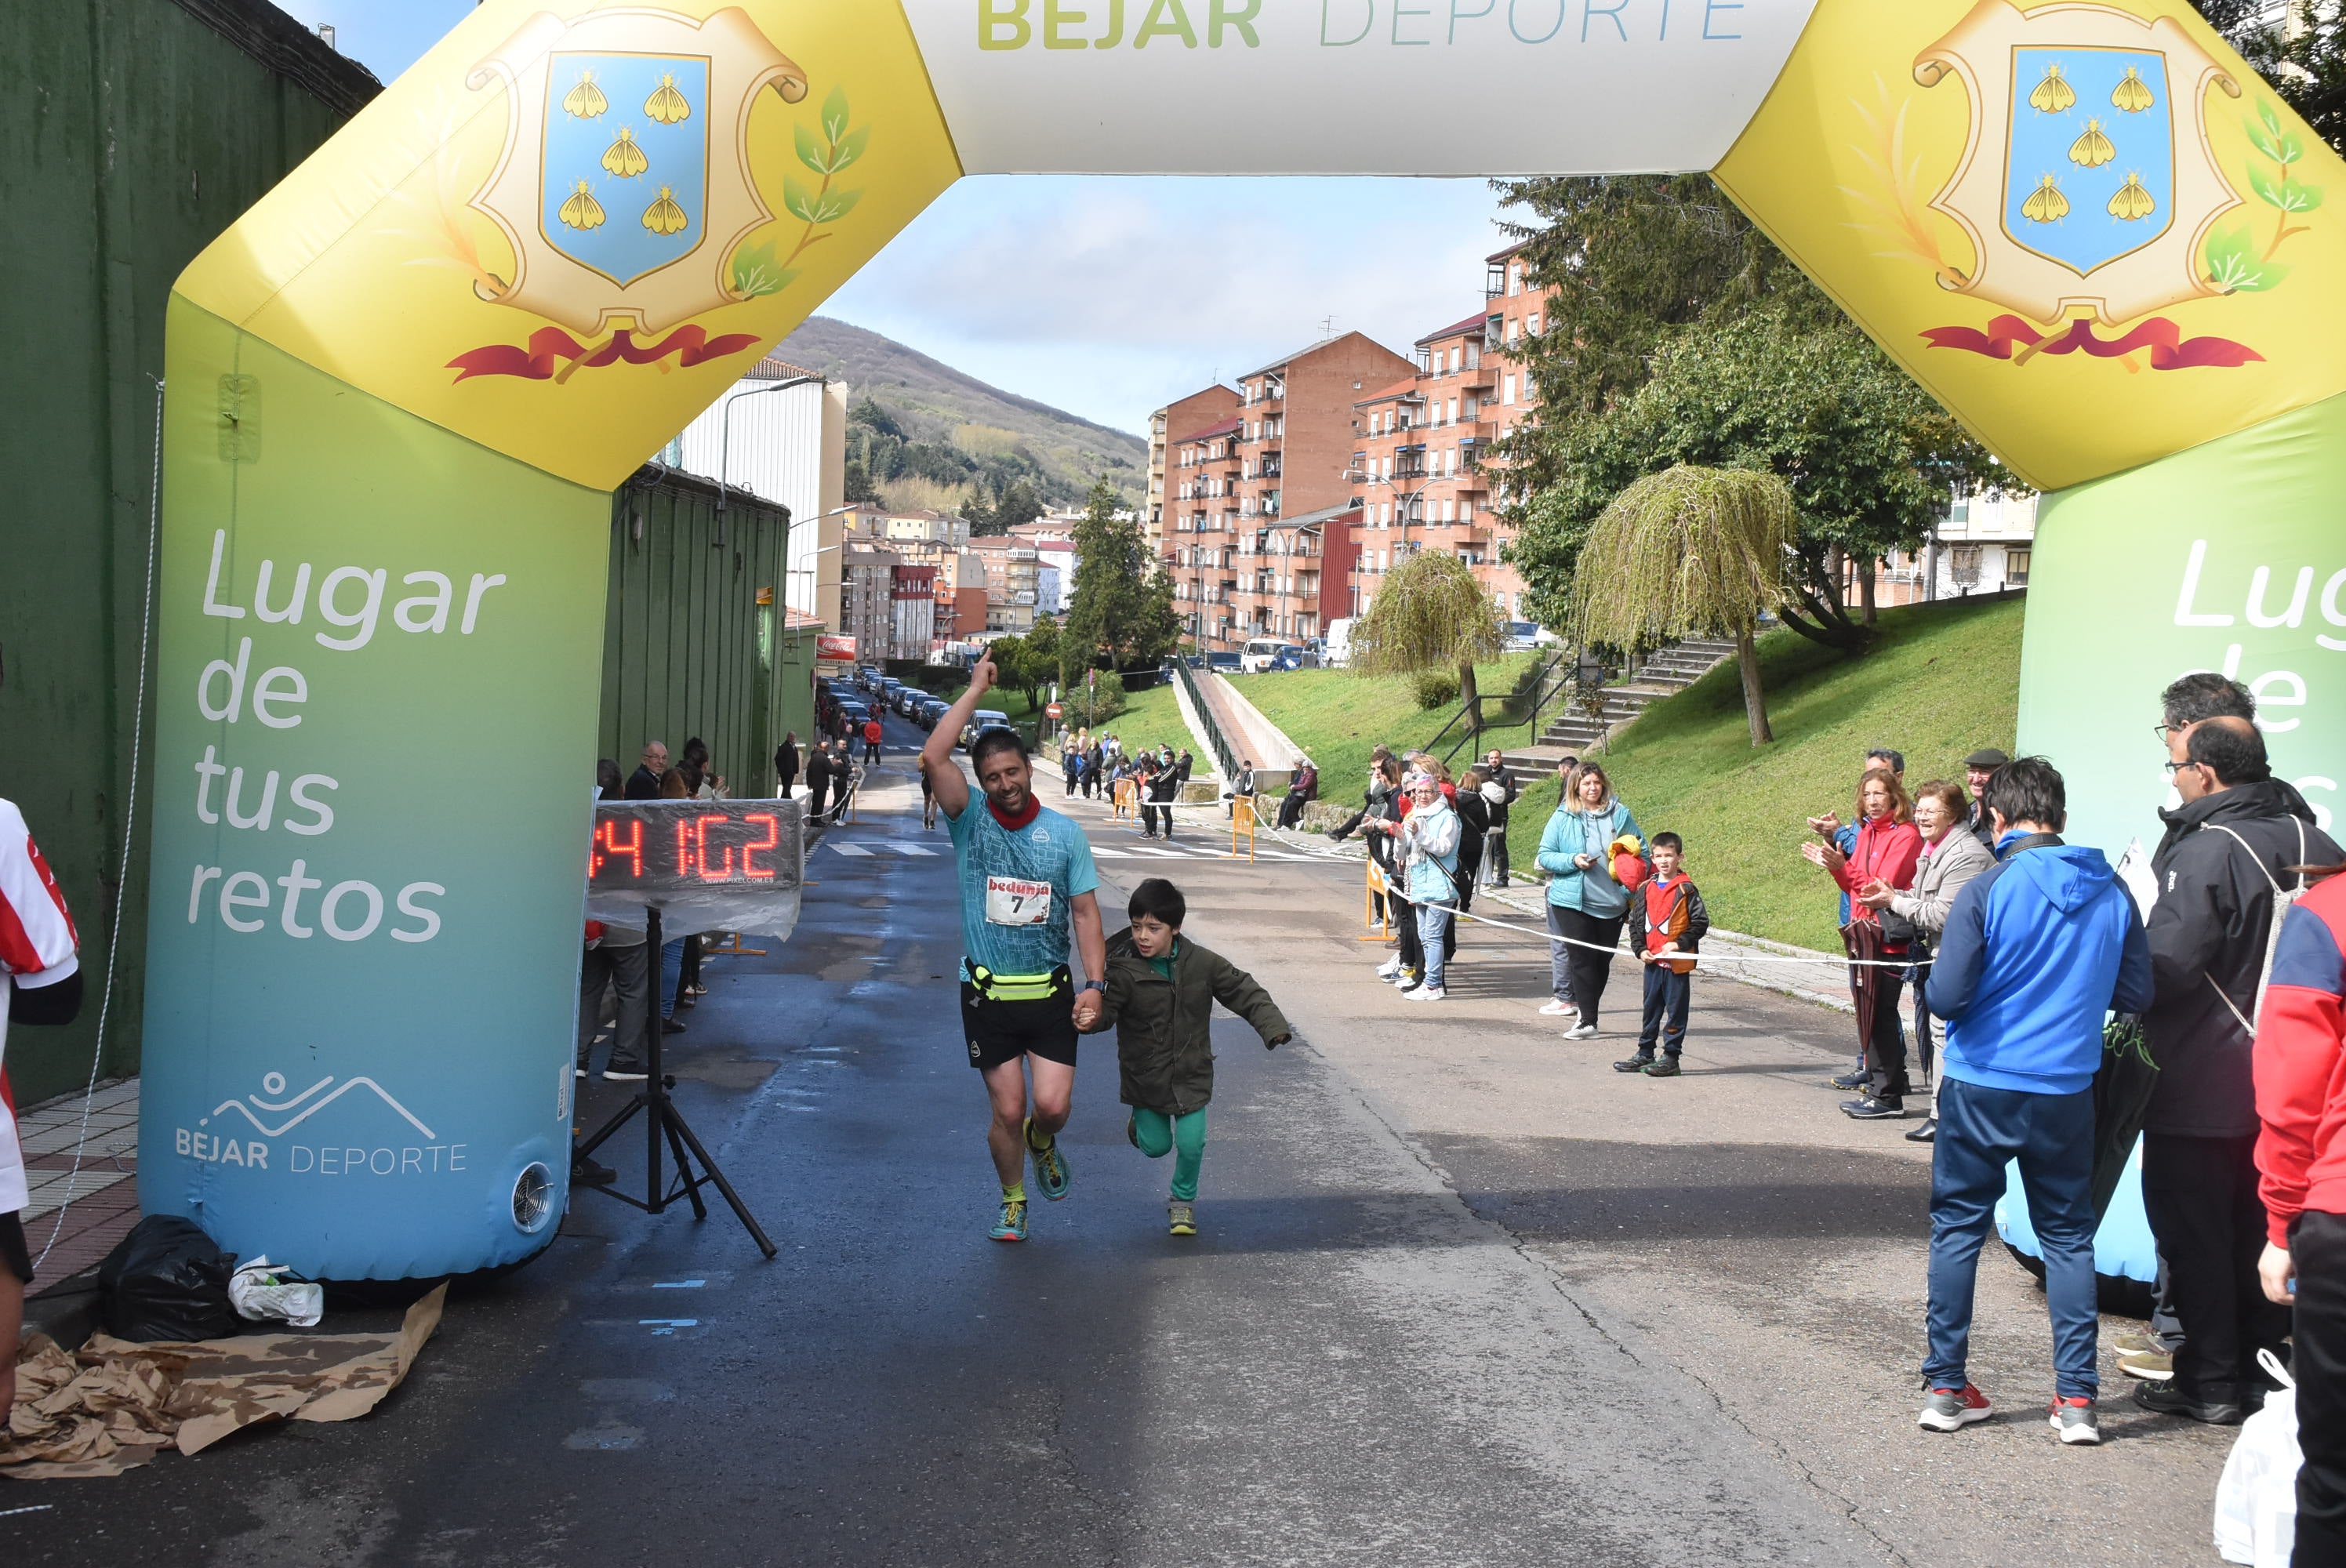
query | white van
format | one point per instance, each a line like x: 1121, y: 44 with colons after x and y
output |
x: 1339, y: 653
x: 1263, y: 652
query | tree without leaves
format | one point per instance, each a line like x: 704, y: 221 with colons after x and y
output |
x: 1430, y: 614
x: 1692, y: 552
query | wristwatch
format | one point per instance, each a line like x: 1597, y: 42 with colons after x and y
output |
x: 1091, y: 985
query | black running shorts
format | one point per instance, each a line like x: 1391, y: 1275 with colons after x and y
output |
x: 1000, y: 1030
x: 13, y: 1258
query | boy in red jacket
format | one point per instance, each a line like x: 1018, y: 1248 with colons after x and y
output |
x: 2301, y: 1159
x: 1666, y: 918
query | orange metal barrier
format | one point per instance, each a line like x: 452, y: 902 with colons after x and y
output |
x: 1376, y: 911
x: 1242, y: 822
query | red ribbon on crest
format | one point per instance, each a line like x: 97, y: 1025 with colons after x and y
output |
x: 691, y: 344
x: 2170, y: 349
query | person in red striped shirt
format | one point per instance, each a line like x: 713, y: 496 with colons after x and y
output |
x: 2300, y: 1052
x: 41, y: 972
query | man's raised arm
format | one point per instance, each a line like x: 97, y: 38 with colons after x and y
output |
x: 945, y: 780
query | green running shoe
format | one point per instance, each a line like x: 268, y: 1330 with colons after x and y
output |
x: 1012, y: 1225
x: 1180, y: 1220
x: 1050, y: 1166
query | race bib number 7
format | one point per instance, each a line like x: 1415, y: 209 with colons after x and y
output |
x: 1015, y: 900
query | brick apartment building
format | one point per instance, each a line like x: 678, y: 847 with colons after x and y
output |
x: 1167, y: 426
x: 1421, y: 464
x: 912, y: 592
x: 1286, y: 454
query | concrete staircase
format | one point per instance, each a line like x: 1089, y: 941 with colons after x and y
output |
x: 1668, y: 670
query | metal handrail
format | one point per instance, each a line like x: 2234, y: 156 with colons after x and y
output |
x: 1548, y: 683
x: 1223, y: 755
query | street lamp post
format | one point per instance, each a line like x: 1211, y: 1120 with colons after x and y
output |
x: 725, y: 443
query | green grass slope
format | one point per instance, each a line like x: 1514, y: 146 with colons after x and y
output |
x: 1943, y: 681
x: 1338, y: 717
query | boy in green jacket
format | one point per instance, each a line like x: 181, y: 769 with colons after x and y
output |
x: 1161, y: 992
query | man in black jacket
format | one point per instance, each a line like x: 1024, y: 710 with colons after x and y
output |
x: 1495, y: 838
x: 2228, y: 847
x: 644, y: 783
x: 1978, y: 768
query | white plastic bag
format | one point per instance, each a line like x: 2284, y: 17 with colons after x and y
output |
x: 2256, y: 1500
x: 259, y: 1294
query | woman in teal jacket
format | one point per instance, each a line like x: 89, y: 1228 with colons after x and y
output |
x: 1584, y: 904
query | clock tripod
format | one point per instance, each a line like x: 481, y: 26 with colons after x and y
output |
x: 663, y: 1121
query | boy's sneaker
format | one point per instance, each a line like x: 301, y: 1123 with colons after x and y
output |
x: 2151, y: 1365
x: 1637, y: 1064
x: 1012, y: 1225
x: 1953, y: 1409
x: 1874, y: 1108
x: 1427, y: 993
x: 1389, y: 968
x: 1050, y: 1166
x: 1180, y: 1220
x: 1408, y: 979
x: 1667, y: 1067
x: 2138, y: 1344
x: 1555, y: 1008
x: 2076, y: 1421
x: 1581, y: 1032
x: 1857, y: 1080
x: 624, y: 1073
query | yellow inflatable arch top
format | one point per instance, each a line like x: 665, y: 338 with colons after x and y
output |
x: 401, y: 388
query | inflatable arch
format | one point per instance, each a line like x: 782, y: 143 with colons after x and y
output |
x: 401, y: 388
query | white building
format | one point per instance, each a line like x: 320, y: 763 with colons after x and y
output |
x: 1983, y: 546
x: 785, y: 442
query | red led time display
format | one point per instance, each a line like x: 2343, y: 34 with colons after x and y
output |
x: 652, y: 846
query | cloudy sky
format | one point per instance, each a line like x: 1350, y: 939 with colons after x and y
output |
x: 1109, y: 298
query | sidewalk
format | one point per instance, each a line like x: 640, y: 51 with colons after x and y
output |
x: 100, y: 1201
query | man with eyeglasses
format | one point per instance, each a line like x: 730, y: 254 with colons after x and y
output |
x: 2230, y: 845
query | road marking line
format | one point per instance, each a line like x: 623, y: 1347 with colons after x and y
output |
x: 914, y: 850
x: 849, y: 849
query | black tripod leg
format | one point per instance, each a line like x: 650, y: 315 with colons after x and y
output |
x: 691, y: 1183
x: 740, y: 1210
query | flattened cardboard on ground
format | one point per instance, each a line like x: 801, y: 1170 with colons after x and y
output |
x: 113, y: 1406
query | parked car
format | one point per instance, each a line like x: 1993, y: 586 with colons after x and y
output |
x: 1265, y: 652
x: 1225, y: 662
x: 983, y: 720
x: 1523, y: 637
x: 930, y: 711
x: 1337, y: 652
x: 1290, y: 657
x: 907, y: 699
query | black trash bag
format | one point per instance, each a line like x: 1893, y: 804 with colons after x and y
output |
x: 167, y: 1282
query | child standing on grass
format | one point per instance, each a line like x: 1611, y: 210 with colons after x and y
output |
x: 1161, y: 991
x: 1666, y: 918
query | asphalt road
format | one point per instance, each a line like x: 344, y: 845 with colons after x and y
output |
x: 1457, y: 1301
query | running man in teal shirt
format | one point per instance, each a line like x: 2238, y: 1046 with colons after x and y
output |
x: 1026, y: 882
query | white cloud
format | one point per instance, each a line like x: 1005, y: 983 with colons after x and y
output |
x: 1108, y: 297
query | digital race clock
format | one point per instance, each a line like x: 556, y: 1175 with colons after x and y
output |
x: 733, y: 865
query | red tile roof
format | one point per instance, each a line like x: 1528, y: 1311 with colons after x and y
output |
x: 1227, y: 427
x: 1475, y: 322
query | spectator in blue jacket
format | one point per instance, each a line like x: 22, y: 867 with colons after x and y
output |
x: 2037, y: 951
x: 1586, y: 906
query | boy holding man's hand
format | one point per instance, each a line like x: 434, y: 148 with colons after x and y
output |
x: 1161, y: 991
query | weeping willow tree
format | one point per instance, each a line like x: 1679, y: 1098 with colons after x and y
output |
x: 1690, y: 552
x: 1431, y: 614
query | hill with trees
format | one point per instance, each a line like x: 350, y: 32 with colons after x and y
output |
x: 922, y: 433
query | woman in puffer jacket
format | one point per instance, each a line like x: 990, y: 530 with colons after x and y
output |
x: 1585, y: 905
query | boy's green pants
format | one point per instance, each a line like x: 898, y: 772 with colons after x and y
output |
x: 1155, y: 1134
